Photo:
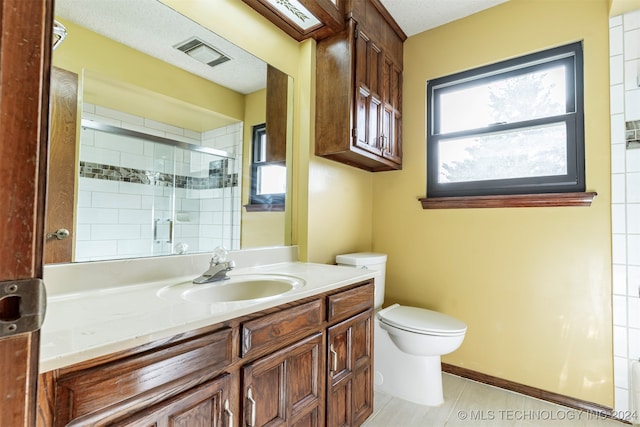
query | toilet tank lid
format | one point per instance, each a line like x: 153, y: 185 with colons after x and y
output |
x: 361, y: 258
x: 419, y: 320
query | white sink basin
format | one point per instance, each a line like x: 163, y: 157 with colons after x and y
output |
x: 243, y: 287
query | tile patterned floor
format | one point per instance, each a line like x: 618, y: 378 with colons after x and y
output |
x: 472, y: 404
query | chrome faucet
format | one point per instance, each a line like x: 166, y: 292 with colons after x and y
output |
x: 218, y: 267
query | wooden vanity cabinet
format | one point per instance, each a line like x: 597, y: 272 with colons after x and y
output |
x: 359, y: 90
x: 266, y: 368
x: 350, y: 357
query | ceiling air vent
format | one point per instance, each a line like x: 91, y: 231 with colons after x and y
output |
x: 202, y: 52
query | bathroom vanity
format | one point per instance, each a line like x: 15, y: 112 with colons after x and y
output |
x: 302, y: 358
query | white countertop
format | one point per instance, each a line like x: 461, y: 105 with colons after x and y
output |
x: 86, y: 324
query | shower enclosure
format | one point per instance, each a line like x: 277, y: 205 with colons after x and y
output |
x: 144, y: 195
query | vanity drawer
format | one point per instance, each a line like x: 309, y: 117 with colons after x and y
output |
x: 273, y: 331
x: 347, y: 303
x: 93, y: 389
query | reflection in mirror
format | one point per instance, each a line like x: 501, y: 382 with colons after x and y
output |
x: 162, y: 155
x: 155, y: 194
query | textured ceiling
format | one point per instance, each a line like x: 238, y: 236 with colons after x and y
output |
x: 416, y: 16
x: 153, y: 28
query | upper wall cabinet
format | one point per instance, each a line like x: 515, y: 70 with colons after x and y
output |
x: 303, y: 19
x: 359, y: 90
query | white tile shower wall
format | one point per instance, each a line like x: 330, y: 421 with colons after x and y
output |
x: 624, y: 50
x: 116, y: 219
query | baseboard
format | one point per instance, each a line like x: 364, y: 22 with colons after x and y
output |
x: 548, y: 396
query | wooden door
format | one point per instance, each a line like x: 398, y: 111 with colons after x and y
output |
x: 284, y: 388
x: 62, y: 165
x: 349, y: 364
x: 25, y: 54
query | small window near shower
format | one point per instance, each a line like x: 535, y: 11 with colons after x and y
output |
x: 268, y: 179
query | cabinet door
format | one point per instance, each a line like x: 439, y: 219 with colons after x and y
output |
x: 284, y: 388
x: 204, y: 406
x: 391, y: 116
x: 368, y: 102
x: 349, y: 364
x: 277, y: 102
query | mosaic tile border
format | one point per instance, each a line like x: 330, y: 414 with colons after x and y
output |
x: 218, y: 176
x: 632, y: 135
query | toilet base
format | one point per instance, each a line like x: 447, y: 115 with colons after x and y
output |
x: 417, y: 379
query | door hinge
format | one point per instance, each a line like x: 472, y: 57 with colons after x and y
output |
x: 22, y: 306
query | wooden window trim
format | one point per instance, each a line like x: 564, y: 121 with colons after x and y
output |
x: 510, y: 201
x: 264, y: 207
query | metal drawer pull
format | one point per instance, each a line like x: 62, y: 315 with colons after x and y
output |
x: 334, y: 359
x: 228, y: 413
x: 252, y: 416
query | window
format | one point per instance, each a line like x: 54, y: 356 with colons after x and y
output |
x: 515, y: 127
x: 268, y: 179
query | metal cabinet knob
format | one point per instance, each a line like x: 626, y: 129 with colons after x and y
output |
x: 60, y: 234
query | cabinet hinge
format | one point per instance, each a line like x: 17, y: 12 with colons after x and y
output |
x: 356, y: 32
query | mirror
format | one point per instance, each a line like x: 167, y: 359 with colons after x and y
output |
x: 161, y: 143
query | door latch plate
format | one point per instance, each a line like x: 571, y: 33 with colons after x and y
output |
x: 22, y: 306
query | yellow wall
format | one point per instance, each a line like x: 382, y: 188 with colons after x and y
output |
x: 533, y: 284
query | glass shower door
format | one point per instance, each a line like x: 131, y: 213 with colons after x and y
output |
x: 162, y: 203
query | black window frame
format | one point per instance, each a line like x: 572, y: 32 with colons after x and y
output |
x: 267, y: 201
x: 573, y: 181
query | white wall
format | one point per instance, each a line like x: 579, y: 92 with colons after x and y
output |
x: 625, y: 198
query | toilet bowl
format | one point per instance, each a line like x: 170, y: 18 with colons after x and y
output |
x: 408, y: 344
x: 422, y: 332
x: 408, y: 341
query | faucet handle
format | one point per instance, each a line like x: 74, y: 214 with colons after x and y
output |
x: 219, y: 255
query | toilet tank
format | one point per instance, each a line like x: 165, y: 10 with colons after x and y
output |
x: 371, y: 261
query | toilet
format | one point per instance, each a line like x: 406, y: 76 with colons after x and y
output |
x: 408, y: 341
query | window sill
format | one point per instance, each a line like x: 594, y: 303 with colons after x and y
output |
x: 264, y: 208
x: 510, y: 201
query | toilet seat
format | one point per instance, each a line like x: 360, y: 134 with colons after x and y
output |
x: 421, y: 321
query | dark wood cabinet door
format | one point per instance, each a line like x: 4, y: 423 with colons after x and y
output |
x: 277, y: 102
x: 204, y: 406
x: 391, y: 137
x: 349, y: 364
x: 368, y: 102
x: 284, y: 388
